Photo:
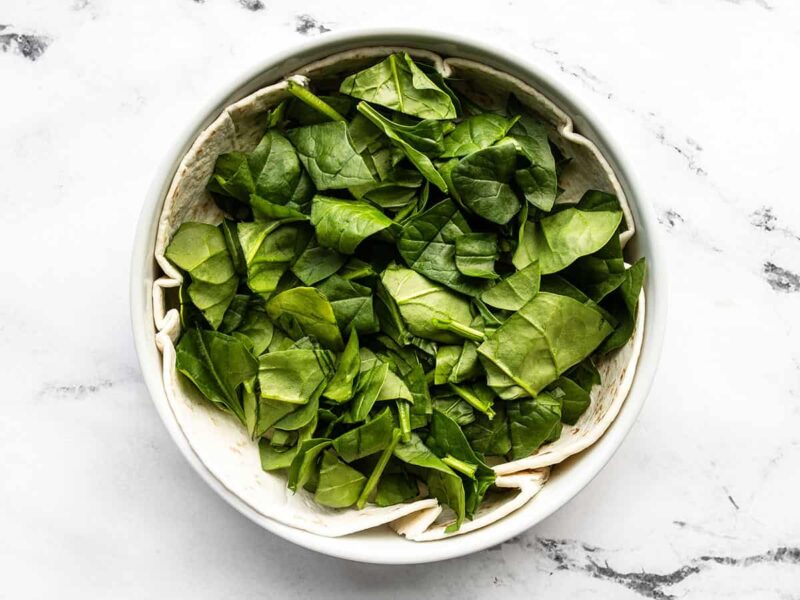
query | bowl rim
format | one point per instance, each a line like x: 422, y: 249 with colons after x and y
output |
x: 586, y: 123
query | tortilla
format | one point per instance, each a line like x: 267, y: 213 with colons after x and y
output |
x: 218, y: 439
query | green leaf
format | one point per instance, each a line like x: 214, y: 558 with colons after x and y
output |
x: 557, y: 240
x: 490, y: 437
x: 442, y: 482
x: 622, y: 304
x: 369, y: 438
x: 418, y: 158
x: 378, y: 470
x: 539, y: 180
x: 294, y: 376
x: 455, y: 364
x: 344, y: 224
x: 305, y: 311
x: 420, y: 301
x: 269, y: 249
x: 275, y: 168
x: 317, y: 263
x: 574, y: 399
x: 398, y: 83
x: 255, y: 329
x: 339, y: 484
x: 516, y: 290
x: 543, y: 339
x: 340, y: 387
x: 395, y: 488
x: 274, y: 458
x: 476, y: 133
x: 455, y: 408
x: 310, y: 109
x: 476, y: 254
x: 447, y: 440
x: 328, y: 155
x: 305, y: 461
x: 428, y: 245
x: 352, y: 304
x: 531, y: 423
x: 217, y: 364
x: 370, y: 383
x: 482, y: 182
x: 200, y: 250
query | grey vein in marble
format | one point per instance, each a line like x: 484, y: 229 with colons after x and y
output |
x: 306, y: 24
x: 780, y: 279
x: 570, y: 555
x: 29, y: 45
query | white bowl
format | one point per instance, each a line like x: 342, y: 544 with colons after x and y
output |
x: 381, y: 545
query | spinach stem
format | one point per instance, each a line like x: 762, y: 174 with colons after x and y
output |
x: 378, y: 470
x: 404, y: 416
x: 314, y: 101
x: 459, y: 329
x: 461, y: 466
x: 482, y: 405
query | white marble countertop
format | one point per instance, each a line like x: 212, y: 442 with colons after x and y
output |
x: 700, y: 501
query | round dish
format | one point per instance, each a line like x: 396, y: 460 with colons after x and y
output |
x: 380, y: 545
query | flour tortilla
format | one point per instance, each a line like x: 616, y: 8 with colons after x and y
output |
x: 218, y: 439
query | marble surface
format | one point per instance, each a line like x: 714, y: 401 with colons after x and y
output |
x: 700, y: 501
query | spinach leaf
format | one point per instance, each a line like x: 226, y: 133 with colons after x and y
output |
x: 269, y: 249
x: 516, y: 290
x: 369, y: 438
x: 428, y: 245
x: 217, y: 364
x: 275, y: 168
x: 340, y: 387
x: 352, y: 304
x: 481, y: 181
x: 476, y: 254
x: 442, y: 482
x: 395, y: 488
x: 622, y: 304
x: 422, y: 301
x: 306, y: 311
x: 447, y: 440
x: 490, y: 437
x: 305, y: 461
x: 344, y: 224
x: 531, y: 423
x: 310, y: 109
x: 455, y: 364
x: 398, y: 83
x: 328, y: 155
x: 370, y: 382
x: 228, y: 229
x: 378, y: 470
x: 294, y: 376
x: 316, y: 263
x: 476, y: 133
x: 557, y: 240
x: 455, y: 408
x: 339, y: 485
x: 200, y: 250
x: 255, y: 329
x: 538, y: 343
x: 232, y: 176
x: 418, y: 158
x: 574, y: 399
x: 275, y: 457
x: 477, y: 395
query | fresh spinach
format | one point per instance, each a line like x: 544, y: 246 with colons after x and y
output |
x: 472, y: 320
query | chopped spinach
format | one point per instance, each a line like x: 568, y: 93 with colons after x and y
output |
x: 473, y: 305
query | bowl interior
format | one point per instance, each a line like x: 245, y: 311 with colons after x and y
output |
x: 381, y: 545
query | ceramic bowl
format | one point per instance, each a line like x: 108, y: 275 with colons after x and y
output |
x: 381, y: 545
